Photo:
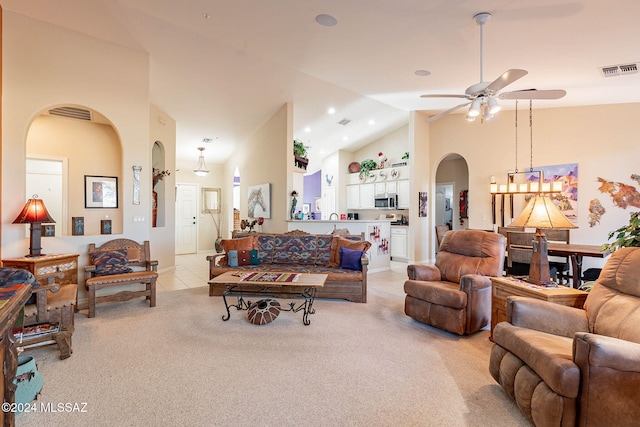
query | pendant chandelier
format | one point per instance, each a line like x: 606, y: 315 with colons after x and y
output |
x: 201, y: 167
x: 534, y: 185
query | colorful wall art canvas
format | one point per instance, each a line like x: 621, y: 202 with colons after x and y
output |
x: 259, y: 201
x: 567, y: 200
x: 422, y: 203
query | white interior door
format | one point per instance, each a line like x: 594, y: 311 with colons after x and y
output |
x: 186, y: 219
x: 47, y: 178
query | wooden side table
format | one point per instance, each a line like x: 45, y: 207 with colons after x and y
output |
x: 47, y: 264
x: 10, y: 312
x: 502, y: 287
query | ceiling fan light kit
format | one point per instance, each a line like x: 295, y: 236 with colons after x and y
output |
x: 482, y: 95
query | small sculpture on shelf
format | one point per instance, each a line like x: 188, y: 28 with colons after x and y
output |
x: 294, y: 202
x: 382, y: 160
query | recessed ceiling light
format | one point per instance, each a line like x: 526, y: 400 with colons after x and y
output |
x: 372, y: 122
x: 422, y: 73
x: 307, y: 129
x: 345, y: 138
x: 331, y: 110
x: 326, y: 20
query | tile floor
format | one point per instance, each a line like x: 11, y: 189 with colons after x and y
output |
x: 192, y: 271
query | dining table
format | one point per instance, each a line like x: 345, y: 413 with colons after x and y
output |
x: 576, y: 252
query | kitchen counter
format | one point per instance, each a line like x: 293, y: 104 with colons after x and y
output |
x: 376, y: 231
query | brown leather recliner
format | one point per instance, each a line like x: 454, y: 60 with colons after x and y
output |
x: 455, y: 294
x: 566, y: 366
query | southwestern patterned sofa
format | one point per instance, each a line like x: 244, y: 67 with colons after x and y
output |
x: 298, y: 252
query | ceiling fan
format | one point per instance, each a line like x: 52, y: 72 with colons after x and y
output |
x: 482, y: 96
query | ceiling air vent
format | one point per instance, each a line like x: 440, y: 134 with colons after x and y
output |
x: 344, y: 122
x: 72, y: 113
x: 619, y: 70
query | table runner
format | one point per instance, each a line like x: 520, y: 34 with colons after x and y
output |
x: 270, y: 277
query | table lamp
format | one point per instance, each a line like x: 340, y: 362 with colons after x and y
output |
x: 541, y: 213
x: 34, y: 213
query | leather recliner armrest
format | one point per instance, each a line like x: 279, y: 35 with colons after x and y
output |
x: 546, y: 317
x: 609, y: 380
x: 472, y: 282
x: 591, y: 350
x: 423, y: 272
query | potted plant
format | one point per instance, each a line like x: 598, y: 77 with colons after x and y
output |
x: 300, y: 154
x: 367, y: 166
x: 625, y: 236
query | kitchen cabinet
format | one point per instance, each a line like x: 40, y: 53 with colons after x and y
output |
x: 399, y: 242
x: 403, y: 194
x: 367, y: 196
x: 353, y: 196
x: 383, y: 188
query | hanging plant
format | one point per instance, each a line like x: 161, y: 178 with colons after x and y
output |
x: 625, y: 236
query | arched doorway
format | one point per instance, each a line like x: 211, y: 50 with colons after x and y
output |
x: 452, y: 180
x: 70, y: 150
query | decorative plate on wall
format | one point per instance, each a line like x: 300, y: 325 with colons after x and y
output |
x: 382, y: 175
x: 372, y: 176
x: 394, y: 173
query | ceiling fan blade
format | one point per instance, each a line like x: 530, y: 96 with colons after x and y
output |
x: 505, y: 79
x: 534, y: 94
x: 442, y: 96
x: 444, y: 113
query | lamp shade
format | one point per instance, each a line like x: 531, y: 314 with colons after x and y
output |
x: 34, y: 211
x: 541, y: 212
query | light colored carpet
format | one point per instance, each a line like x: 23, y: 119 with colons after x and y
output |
x: 354, y: 365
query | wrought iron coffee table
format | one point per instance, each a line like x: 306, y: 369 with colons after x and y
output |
x: 274, y: 284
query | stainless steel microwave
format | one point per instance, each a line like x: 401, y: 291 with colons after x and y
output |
x: 386, y: 202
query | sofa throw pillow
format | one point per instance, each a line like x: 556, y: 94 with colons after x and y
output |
x: 253, y: 257
x: 243, y: 257
x: 350, y: 258
x: 111, y: 262
x: 243, y: 243
x: 232, y: 258
x: 338, y: 242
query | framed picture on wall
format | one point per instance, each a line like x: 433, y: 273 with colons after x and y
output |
x: 77, y: 226
x: 105, y: 226
x: 100, y: 191
x: 259, y: 201
x: 48, y: 230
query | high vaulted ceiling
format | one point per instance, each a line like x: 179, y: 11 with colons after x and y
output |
x: 221, y: 68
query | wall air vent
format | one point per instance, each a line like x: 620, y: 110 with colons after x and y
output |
x: 72, y: 113
x: 344, y: 122
x: 619, y: 70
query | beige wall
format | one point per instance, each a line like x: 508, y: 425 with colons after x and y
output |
x: 393, y: 145
x: 162, y: 128
x: 75, y: 70
x: 266, y: 157
x: 603, y: 140
x: 90, y: 149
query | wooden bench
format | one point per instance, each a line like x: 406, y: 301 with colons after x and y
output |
x: 138, y: 255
